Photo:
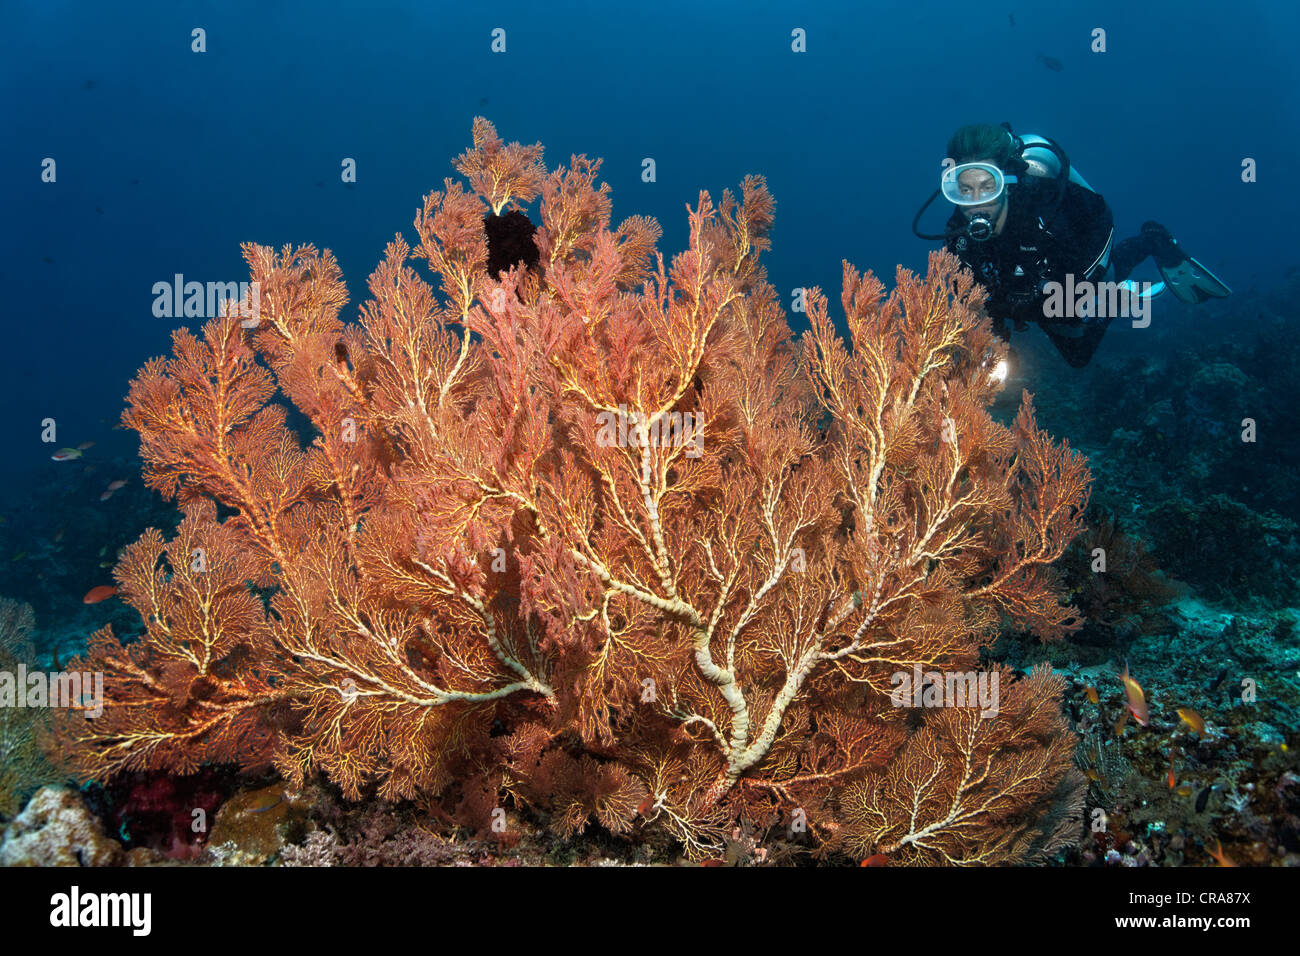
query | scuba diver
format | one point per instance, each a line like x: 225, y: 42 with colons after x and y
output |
x: 1028, y: 225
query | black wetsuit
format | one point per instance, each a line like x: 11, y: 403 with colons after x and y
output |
x: 1029, y: 252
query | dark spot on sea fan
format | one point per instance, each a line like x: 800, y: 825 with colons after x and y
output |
x: 510, y: 240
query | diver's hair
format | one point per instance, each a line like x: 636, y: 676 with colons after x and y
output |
x: 981, y: 141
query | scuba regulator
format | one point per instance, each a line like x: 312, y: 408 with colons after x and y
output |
x: 1035, y: 159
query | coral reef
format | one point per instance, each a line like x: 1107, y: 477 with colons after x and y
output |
x: 23, y: 767
x: 168, y: 815
x: 254, y: 826
x: 1115, y: 583
x: 1214, y: 499
x: 56, y: 829
x: 1168, y: 793
x: 1198, y: 523
x: 968, y: 790
x: 1226, y: 549
x: 596, y: 539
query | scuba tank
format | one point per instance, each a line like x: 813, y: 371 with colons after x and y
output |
x: 1043, y: 157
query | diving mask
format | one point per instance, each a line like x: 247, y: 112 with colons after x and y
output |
x: 974, y: 184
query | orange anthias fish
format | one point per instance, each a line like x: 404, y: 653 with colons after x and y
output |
x: 1218, y: 854
x: 101, y: 593
x: 66, y: 454
x: 1135, y: 699
x: 1193, y: 720
x: 113, y: 487
x: 876, y: 859
x: 1119, y: 724
x: 1091, y: 693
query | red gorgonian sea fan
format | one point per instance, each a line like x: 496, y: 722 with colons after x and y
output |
x: 598, y: 537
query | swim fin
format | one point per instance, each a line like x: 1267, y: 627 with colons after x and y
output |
x: 1152, y: 290
x: 1193, y: 283
x: 1184, y: 276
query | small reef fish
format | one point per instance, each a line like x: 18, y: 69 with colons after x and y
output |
x: 1186, y: 790
x: 1091, y: 693
x: 270, y: 806
x: 1193, y: 720
x: 66, y: 454
x: 1134, y: 698
x: 876, y: 859
x: 1119, y: 724
x: 112, y: 489
x: 1203, y: 798
x: 1218, y: 854
x: 1051, y: 62
x: 86, y: 446
x: 101, y: 593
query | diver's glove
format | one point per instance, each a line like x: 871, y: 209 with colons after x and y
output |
x: 1163, y: 246
x: 1186, y: 278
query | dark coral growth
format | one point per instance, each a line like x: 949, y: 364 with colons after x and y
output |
x: 1116, y: 584
x: 510, y: 241
x: 169, y: 815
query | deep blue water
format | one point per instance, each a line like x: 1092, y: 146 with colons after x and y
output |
x: 168, y: 159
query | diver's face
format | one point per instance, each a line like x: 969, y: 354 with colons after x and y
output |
x: 976, y: 184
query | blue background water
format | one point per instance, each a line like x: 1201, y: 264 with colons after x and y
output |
x: 168, y: 159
